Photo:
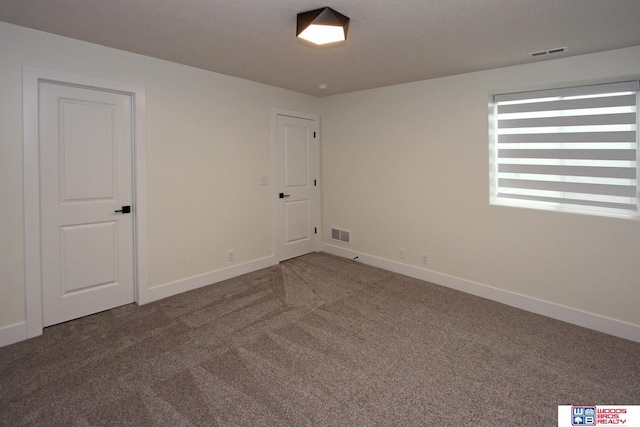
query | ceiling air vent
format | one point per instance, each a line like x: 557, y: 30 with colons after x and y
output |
x: 548, y: 52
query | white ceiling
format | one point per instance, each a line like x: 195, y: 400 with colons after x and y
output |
x: 389, y: 42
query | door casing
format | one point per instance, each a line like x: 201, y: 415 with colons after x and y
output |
x: 32, y: 76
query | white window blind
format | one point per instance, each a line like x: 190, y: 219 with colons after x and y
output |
x: 570, y: 149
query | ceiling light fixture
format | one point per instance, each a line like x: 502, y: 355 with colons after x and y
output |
x: 322, y: 26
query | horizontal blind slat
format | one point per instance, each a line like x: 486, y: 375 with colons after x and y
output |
x: 572, y: 104
x: 609, y: 205
x: 595, y: 120
x: 571, y: 187
x: 568, y: 154
x: 599, y: 172
x: 625, y: 136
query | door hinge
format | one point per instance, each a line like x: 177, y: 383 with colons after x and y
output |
x: 315, y: 183
x: 314, y: 134
x: 315, y: 230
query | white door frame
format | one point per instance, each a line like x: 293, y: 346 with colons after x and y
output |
x: 275, y: 112
x: 32, y: 76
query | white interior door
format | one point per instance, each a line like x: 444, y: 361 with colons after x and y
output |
x: 86, y: 171
x: 298, y: 152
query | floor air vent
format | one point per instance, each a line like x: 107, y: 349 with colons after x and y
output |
x: 341, y: 235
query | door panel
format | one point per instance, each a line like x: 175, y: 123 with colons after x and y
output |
x: 85, y: 142
x: 86, y: 148
x: 297, y: 220
x: 296, y: 156
x: 298, y: 211
x: 89, y: 256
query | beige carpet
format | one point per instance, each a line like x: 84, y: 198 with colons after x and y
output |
x: 315, y: 341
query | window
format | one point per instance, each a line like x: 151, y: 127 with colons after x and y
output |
x: 572, y: 149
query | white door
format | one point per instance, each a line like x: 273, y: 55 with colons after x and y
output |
x: 85, y: 143
x: 298, y: 152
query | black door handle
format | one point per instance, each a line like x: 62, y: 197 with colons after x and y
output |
x: 282, y: 195
x: 125, y: 209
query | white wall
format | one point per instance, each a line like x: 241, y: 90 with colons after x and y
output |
x: 407, y: 167
x: 208, y: 143
x: 403, y: 167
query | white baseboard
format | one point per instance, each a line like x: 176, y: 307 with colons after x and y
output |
x: 195, y: 282
x: 574, y: 316
x: 18, y: 332
x: 11, y: 334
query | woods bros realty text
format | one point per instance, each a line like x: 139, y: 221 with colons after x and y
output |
x: 596, y: 415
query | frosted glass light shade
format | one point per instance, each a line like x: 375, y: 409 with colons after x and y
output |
x: 323, y: 34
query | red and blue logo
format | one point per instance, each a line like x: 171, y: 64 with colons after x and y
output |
x: 583, y: 415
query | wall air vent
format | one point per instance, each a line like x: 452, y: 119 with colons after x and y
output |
x: 340, y: 235
x: 548, y: 52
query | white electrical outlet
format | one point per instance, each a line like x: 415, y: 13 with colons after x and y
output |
x: 403, y: 254
x: 425, y: 259
x: 230, y: 255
